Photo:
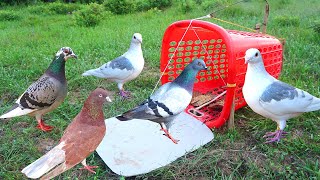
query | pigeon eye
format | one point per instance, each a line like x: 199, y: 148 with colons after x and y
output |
x: 100, y: 95
x: 134, y: 37
x: 199, y: 63
x: 256, y: 55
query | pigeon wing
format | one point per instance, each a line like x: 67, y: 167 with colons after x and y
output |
x: 167, y: 101
x: 119, y: 68
x: 41, y: 94
x: 280, y: 98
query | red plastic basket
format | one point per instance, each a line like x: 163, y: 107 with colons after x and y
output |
x: 223, y: 51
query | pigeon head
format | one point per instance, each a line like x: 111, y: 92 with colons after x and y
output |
x: 99, y: 96
x: 198, y: 64
x: 136, y: 38
x: 67, y: 51
x: 252, y: 56
x: 188, y: 75
x: 57, y: 66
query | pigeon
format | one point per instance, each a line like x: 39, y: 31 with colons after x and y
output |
x: 124, y: 68
x: 272, y: 98
x: 79, y: 140
x: 45, y: 94
x: 169, y: 100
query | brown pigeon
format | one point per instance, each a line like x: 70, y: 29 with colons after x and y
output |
x: 80, y: 139
x: 45, y: 94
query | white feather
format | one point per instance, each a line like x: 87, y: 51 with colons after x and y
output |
x: 45, y: 163
x: 94, y: 72
x: 176, y: 99
x: 17, y: 112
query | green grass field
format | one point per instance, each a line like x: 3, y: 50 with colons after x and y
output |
x: 29, y: 43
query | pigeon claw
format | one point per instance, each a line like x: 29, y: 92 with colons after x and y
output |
x: 44, y: 127
x: 274, y: 136
x: 89, y: 168
x: 169, y: 136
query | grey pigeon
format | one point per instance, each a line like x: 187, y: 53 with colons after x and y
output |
x: 272, y: 98
x: 45, y: 94
x: 124, y: 68
x: 169, y: 100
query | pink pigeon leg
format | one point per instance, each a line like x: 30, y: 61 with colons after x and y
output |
x: 42, y: 126
x: 87, y: 167
x: 274, y: 136
x: 164, y: 129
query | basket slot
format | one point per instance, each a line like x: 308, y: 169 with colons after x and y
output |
x: 211, y: 48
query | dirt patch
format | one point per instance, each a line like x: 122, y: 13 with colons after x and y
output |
x: 45, y: 145
x: 7, y: 97
x: 19, y: 126
x: 239, y: 160
x: 1, y: 132
x: 296, y: 133
x: 149, y: 71
x: 76, y: 172
x: 75, y: 96
x: 5, y: 121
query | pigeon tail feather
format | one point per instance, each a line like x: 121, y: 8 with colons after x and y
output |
x: 94, y: 72
x: 56, y: 171
x: 122, y: 118
x: 45, y: 163
x: 314, y: 106
x: 16, y: 111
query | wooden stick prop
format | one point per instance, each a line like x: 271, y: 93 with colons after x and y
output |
x: 265, y: 19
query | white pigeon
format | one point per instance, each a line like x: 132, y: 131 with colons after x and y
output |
x: 169, y: 100
x: 124, y: 68
x: 272, y: 98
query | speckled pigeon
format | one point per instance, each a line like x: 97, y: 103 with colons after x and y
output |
x: 169, y: 100
x: 79, y: 140
x: 272, y: 98
x: 124, y: 68
x: 45, y: 94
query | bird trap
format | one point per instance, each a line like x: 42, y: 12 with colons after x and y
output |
x: 138, y: 146
x: 223, y: 52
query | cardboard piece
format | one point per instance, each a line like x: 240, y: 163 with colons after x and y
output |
x: 138, y: 146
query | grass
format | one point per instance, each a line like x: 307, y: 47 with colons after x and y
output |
x: 29, y: 42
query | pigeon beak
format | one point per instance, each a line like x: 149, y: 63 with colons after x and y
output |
x: 205, y: 67
x: 69, y: 56
x: 74, y: 55
x: 108, y: 99
x: 246, y: 60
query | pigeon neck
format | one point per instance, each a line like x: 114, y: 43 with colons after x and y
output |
x: 57, y: 69
x: 135, y: 46
x: 257, y: 68
x: 93, y: 113
x: 186, y: 78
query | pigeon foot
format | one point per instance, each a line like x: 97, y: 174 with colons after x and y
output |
x: 89, y: 168
x: 169, y: 136
x: 42, y: 126
x: 274, y: 136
